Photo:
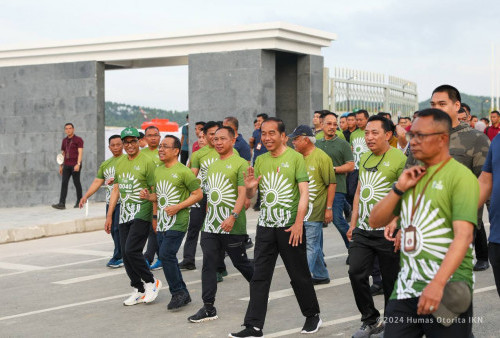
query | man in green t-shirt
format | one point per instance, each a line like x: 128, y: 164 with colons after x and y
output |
x: 176, y: 189
x: 283, y: 181
x: 343, y: 163
x: 199, y: 163
x: 379, y: 168
x: 433, y: 291
x: 321, y: 193
x: 106, y: 176
x: 134, y: 173
x: 152, y: 137
x: 224, y: 228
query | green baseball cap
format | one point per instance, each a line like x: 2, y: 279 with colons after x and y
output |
x: 129, y: 132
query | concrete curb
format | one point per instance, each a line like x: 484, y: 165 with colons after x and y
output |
x: 55, y: 229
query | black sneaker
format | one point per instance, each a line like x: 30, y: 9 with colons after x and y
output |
x: 59, y: 206
x: 317, y: 281
x: 248, y: 243
x: 187, y: 266
x: 77, y: 205
x: 312, y: 324
x: 481, y: 265
x: 376, y: 289
x: 366, y: 330
x: 179, y: 300
x: 248, y: 332
x: 203, y: 315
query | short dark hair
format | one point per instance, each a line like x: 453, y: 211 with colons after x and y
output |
x: 112, y: 137
x: 263, y: 115
x: 404, y: 118
x: 466, y: 107
x: 210, y: 125
x: 151, y: 127
x: 330, y: 113
x: 351, y: 115
x: 462, y: 110
x: 177, y: 142
x: 234, y: 121
x: 255, y: 121
x: 473, y: 116
x: 452, y: 92
x: 485, y: 119
x: 495, y: 112
x: 141, y: 135
x: 343, y: 117
x: 364, y: 112
x: 229, y: 130
x: 200, y: 123
x: 386, y: 123
x: 386, y: 115
x: 438, y: 116
x: 281, y: 124
x: 69, y: 124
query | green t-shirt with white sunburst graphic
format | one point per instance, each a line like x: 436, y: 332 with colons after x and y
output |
x: 319, y: 167
x: 279, y: 190
x: 452, y: 195
x: 376, y: 176
x: 132, y: 176
x: 172, y: 186
x: 106, y: 172
x: 202, y: 159
x: 222, y: 182
x: 358, y: 144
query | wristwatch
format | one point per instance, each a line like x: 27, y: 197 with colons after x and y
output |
x: 328, y: 208
x: 235, y: 215
x: 334, y: 169
x: 397, y: 191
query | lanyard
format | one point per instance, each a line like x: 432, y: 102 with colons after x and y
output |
x: 423, y: 190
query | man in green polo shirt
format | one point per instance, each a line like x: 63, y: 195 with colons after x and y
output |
x: 224, y: 228
x: 134, y: 173
x: 343, y: 163
x: 176, y: 189
x: 106, y: 176
x: 437, y: 225
x: 321, y: 193
x: 283, y: 181
x: 379, y: 168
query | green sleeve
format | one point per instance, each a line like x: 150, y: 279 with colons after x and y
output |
x: 327, y: 173
x: 100, y: 172
x: 150, y: 173
x: 340, y: 134
x: 465, y: 209
x: 195, y: 160
x: 192, y: 183
x: 242, y: 169
x: 401, y: 166
x: 347, y: 152
x: 300, y: 170
x: 256, y: 167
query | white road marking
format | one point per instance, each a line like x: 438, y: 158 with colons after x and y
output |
x: 51, y: 267
x: 91, y: 277
x: 22, y: 267
x: 70, y: 251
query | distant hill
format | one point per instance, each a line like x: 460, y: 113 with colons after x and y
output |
x: 124, y: 115
x: 473, y: 101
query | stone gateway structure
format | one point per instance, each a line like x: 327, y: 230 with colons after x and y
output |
x: 273, y: 68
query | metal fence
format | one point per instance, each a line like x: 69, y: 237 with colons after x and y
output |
x: 350, y: 89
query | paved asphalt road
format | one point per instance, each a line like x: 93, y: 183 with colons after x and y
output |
x: 59, y: 286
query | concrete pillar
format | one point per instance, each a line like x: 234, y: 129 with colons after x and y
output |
x: 35, y: 103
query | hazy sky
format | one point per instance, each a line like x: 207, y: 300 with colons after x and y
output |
x: 429, y: 42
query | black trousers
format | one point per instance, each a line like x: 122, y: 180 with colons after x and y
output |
x: 133, y: 236
x: 213, y: 245
x: 494, y: 251
x: 352, y: 185
x: 269, y: 242
x: 67, y: 172
x: 480, y: 239
x: 152, y: 246
x: 196, y: 219
x: 365, y: 245
x: 184, y: 156
x: 402, y: 321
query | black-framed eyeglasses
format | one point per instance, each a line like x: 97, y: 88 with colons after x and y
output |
x: 419, y: 137
x: 125, y: 143
x: 375, y: 168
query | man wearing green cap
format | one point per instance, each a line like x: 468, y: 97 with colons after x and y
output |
x: 134, y: 172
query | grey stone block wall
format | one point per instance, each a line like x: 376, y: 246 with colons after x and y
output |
x: 238, y: 83
x: 309, y: 87
x: 35, y: 103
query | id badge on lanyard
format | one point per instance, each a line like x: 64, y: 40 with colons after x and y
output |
x: 410, y: 238
x: 259, y: 145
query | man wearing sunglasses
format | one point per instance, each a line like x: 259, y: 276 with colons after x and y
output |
x: 379, y: 168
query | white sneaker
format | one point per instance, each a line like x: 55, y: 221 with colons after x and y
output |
x: 135, y: 298
x: 152, y: 290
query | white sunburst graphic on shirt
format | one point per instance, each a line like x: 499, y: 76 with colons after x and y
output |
x: 373, y: 189
x: 109, y: 173
x: 219, y: 190
x: 313, y: 193
x: 202, y: 174
x: 129, y: 200
x: 166, y: 195
x: 429, y: 239
x: 276, y: 200
x: 359, y: 147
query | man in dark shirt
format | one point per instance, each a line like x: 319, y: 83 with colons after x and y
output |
x: 351, y: 126
x: 258, y: 149
x: 72, y: 150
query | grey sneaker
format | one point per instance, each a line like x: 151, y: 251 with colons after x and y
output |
x: 366, y: 330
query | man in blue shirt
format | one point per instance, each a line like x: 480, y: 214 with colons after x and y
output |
x: 241, y: 145
x: 185, y: 142
x: 489, y: 185
x: 258, y: 149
